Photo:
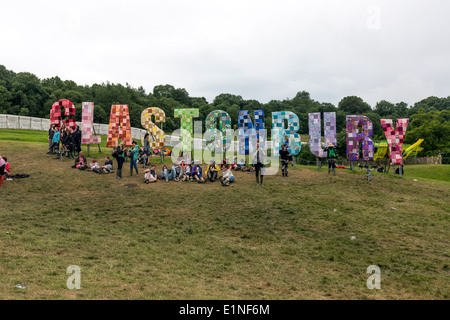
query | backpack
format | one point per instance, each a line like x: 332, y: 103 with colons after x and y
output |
x: 115, y: 154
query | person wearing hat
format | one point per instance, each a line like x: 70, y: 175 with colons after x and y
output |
x: 212, y: 171
x: 331, y: 157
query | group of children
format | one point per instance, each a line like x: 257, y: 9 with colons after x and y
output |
x: 190, y: 171
x: 94, y: 166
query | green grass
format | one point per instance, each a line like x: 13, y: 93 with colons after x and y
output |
x: 289, y: 239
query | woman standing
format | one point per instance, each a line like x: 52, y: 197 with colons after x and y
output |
x: 258, y: 163
x: 134, y: 152
x: 120, y: 159
x: 146, y: 148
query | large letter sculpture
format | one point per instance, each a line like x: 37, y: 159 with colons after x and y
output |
x: 186, y: 126
x: 354, y: 137
x: 147, y: 123
x: 280, y: 131
x: 224, y: 120
x: 395, y: 139
x: 87, y: 124
x: 119, y: 126
x: 315, y: 132
x: 69, y: 110
x: 246, y: 127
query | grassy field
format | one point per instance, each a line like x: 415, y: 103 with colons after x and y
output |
x: 290, y: 239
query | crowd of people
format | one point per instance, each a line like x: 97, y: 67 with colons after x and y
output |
x: 66, y: 140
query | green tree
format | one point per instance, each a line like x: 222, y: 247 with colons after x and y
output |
x: 353, y: 105
x: 433, y: 127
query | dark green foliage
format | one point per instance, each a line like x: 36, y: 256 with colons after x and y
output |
x: 25, y: 94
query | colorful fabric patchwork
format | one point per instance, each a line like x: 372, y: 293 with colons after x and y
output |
x: 279, y: 132
x: 186, y: 126
x: 315, y: 132
x: 224, y: 120
x: 395, y: 138
x: 87, y: 124
x: 56, y: 115
x: 246, y: 129
x: 157, y: 133
x: 119, y: 126
x: 354, y: 137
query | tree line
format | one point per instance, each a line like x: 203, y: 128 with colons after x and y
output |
x: 25, y: 94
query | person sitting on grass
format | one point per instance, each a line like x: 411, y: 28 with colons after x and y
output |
x: 2, y: 170
x: 212, y: 171
x: 166, y: 174
x: 80, y: 162
x: 187, y: 172
x: 177, y: 171
x: 153, y: 170
x: 107, y: 168
x: 7, y: 168
x: 197, y: 173
x: 380, y: 169
x: 149, y: 177
x: 95, y: 167
x: 227, y: 176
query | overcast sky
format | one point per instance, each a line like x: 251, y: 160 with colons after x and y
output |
x: 263, y: 50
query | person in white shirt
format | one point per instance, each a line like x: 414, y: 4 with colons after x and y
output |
x: 227, y: 176
x: 148, y: 177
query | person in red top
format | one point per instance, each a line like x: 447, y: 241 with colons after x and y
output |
x: 2, y: 170
x: 7, y: 168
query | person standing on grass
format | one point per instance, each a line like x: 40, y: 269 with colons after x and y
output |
x: 134, y: 153
x: 146, y: 148
x: 77, y: 140
x: 120, y: 153
x: 55, y: 140
x: 290, y: 157
x: 258, y: 163
x: 331, y: 157
x: 284, y: 156
x: 51, y: 132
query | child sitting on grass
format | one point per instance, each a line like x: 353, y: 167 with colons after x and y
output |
x: 227, y: 177
x: 107, y: 168
x: 149, y: 177
x: 187, y: 173
x: 95, y: 167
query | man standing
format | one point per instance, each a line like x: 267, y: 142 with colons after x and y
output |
x: 51, y: 132
x: 284, y: 155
